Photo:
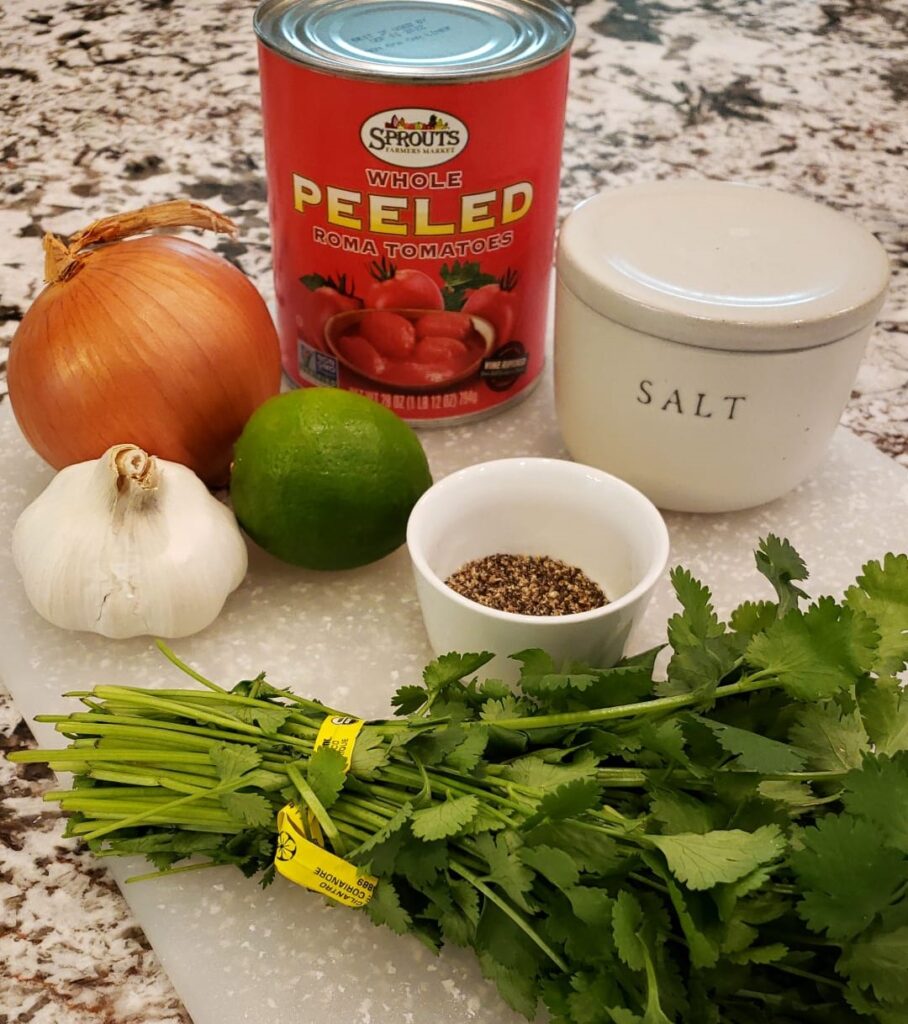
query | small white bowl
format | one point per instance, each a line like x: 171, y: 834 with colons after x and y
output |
x: 582, y: 516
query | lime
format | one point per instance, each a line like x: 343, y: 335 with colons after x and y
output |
x: 326, y: 479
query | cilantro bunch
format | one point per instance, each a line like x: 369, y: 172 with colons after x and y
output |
x: 724, y: 842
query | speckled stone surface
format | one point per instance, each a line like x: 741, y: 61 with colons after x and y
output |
x: 110, y: 104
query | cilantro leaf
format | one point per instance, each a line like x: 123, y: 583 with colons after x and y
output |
x: 768, y: 954
x: 384, y: 908
x: 570, y: 799
x: 420, y: 863
x: 593, y: 992
x: 665, y: 738
x: 817, y: 653
x: 233, y: 759
x: 369, y: 753
x: 881, y: 592
x: 884, y: 709
x: 628, y: 681
x: 451, y: 668
x: 778, y: 561
x: 879, y: 962
x: 831, y: 738
x: 592, y: 906
x: 698, y: 620
x: 878, y: 793
x: 703, y: 653
x: 501, y: 707
x: 444, y: 819
x: 326, y: 773
x: 539, y: 677
x: 366, y: 851
x: 505, y: 868
x: 627, y: 923
x: 702, y: 861
x: 498, y: 935
x: 519, y: 989
x: 534, y: 773
x: 433, y: 746
x: 408, y: 699
x: 268, y: 717
x: 847, y: 874
x: 752, y: 617
x: 248, y: 808
x: 679, y: 812
x: 553, y: 864
x: 754, y: 753
x: 590, y: 848
x: 699, y: 668
x: 786, y: 791
x: 703, y: 950
x: 468, y: 753
x: 458, y: 921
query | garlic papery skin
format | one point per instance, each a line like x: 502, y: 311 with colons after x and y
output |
x: 129, y: 545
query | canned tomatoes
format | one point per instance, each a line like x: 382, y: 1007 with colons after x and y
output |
x: 413, y: 151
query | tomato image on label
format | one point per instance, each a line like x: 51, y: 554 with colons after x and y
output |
x: 441, y: 350
x: 447, y: 325
x: 398, y: 348
x: 322, y: 298
x: 358, y: 352
x: 402, y: 289
x: 391, y: 334
x: 497, y: 303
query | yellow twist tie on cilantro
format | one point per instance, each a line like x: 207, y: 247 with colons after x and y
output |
x: 338, y: 733
x: 309, y: 865
x: 305, y: 861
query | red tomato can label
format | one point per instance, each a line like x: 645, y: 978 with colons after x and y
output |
x: 413, y: 150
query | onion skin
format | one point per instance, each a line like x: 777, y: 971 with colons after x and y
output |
x: 155, y: 341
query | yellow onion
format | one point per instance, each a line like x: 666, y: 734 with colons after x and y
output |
x: 153, y: 341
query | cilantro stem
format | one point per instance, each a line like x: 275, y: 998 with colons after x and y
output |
x: 174, y: 871
x: 506, y: 908
x: 807, y: 975
x: 657, y: 706
x: 804, y: 776
x: 183, y: 667
x: 137, y: 819
x: 67, y: 757
x: 318, y: 809
x: 156, y: 725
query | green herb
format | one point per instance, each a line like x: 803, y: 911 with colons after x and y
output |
x: 727, y: 845
x: 459, y: 278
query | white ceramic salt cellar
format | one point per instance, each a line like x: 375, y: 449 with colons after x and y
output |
x: 707, y: 336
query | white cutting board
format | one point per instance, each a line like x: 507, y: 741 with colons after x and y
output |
x: 239, y: 954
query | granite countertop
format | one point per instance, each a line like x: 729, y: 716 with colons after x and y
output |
x: 111, y: 104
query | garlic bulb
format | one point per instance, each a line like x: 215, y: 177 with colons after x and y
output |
x: 128, y: 545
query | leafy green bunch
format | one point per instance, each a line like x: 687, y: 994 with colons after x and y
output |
x: 722, y: 841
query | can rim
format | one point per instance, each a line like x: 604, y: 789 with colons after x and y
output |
x: 554, y: 12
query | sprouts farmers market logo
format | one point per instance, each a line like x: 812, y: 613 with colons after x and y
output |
x: 414, y: 136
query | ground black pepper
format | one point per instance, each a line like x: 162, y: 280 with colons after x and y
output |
x: 527, y: 585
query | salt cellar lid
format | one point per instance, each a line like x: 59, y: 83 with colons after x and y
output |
x: 723, y: 266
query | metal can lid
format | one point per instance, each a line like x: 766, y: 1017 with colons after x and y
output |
x: 433, y: 40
